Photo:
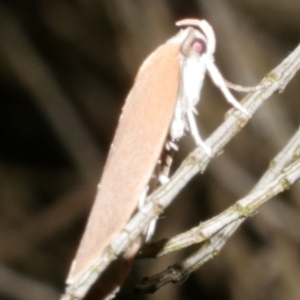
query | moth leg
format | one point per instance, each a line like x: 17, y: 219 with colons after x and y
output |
x: 195, y: 133
x: 167, y: 160
x: 160, y: 177
x: 244, y: 89
x: 143, y: 197
x: 218, y: 80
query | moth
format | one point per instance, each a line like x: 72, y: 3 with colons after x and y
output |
x: 159, y: 110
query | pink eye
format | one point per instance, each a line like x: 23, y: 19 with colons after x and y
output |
x: 199, y: 46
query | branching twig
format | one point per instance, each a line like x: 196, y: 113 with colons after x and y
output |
x: 196, y: 162
x: 264, y: 187
x: 215, y: 232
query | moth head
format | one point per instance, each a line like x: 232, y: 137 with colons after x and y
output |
x: 197, y: 38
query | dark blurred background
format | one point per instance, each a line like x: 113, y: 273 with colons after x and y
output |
x: 65, y: 69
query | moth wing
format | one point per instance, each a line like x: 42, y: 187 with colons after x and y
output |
x: 136, y: 147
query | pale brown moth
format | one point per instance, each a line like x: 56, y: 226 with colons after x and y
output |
x: 159, y: 110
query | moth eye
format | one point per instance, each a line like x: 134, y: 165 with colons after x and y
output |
x: 199, y: 46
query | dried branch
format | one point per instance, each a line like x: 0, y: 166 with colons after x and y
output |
x: 215, y: 232
x: 196, y: 162
x: 267, y: 187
